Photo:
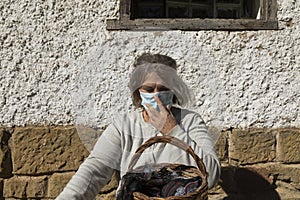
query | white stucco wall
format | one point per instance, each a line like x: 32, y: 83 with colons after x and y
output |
x: 57, y: 54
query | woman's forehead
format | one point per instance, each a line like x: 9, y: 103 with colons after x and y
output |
x: 153, y: 78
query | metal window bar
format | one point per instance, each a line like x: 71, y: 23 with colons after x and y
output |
x: 212, y: 8
x: 190, y: 5
x: 262, y: 16
x: 229, y: 6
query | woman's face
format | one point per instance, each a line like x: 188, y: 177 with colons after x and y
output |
x: 153, y: 83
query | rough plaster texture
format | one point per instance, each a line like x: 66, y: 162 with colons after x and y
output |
x: 60, y: 66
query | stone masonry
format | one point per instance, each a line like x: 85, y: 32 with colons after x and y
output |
x: 37, y: 162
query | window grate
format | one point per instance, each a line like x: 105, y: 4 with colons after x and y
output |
x: 221, y: 9
x: 195, y: 15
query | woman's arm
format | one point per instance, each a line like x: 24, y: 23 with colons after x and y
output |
x: 193, y: 131
x: 96, y: 170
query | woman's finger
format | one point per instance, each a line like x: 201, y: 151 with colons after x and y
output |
x: 152, y: 112
x: 160, y: 104
x: 169, y: 108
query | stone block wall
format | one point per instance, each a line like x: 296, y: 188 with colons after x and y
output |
x: 37, y: 162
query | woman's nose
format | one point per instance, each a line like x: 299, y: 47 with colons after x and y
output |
x: 156, y: 89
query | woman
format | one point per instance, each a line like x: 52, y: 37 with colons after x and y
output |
x: 158, y: 93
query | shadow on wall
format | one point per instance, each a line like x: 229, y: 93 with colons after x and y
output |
x: 5, y: 155
x: 245, y: 184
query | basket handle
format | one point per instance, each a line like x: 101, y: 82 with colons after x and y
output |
x: 171, y: 140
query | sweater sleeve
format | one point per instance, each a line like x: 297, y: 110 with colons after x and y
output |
x: 96, y: 170
x: 194, y: 132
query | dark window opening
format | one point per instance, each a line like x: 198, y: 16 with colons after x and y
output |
x: 220, y: 9
x: 192, y: 15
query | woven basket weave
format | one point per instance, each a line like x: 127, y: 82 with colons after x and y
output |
x: 200, y: 193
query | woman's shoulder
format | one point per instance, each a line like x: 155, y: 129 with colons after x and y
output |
x: 127, y: 117
x: 183, y: 113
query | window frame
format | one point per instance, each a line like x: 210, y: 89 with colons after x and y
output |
x: 268, y: 21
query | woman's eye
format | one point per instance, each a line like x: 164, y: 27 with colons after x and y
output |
x: 148, y: 89
x: 163, y: 89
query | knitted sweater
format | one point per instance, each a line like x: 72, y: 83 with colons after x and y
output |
x: 120, y: 140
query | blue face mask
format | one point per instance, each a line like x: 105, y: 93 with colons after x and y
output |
x: 166, y: 97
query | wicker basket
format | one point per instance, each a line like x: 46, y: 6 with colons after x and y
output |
x: 200, y: 193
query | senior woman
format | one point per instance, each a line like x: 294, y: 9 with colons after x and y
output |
x: 159, y: 95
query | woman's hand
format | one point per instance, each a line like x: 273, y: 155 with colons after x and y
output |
x: 162, y: 120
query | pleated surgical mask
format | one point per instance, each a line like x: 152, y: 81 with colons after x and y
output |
x: 166, y: 97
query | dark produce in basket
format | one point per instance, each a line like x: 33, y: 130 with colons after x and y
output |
x: 162, y: 183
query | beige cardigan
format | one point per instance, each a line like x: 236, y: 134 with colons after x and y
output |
x: 120, y: 140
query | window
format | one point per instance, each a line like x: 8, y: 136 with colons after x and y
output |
x: 227, y: 9
x: 196, y: 15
